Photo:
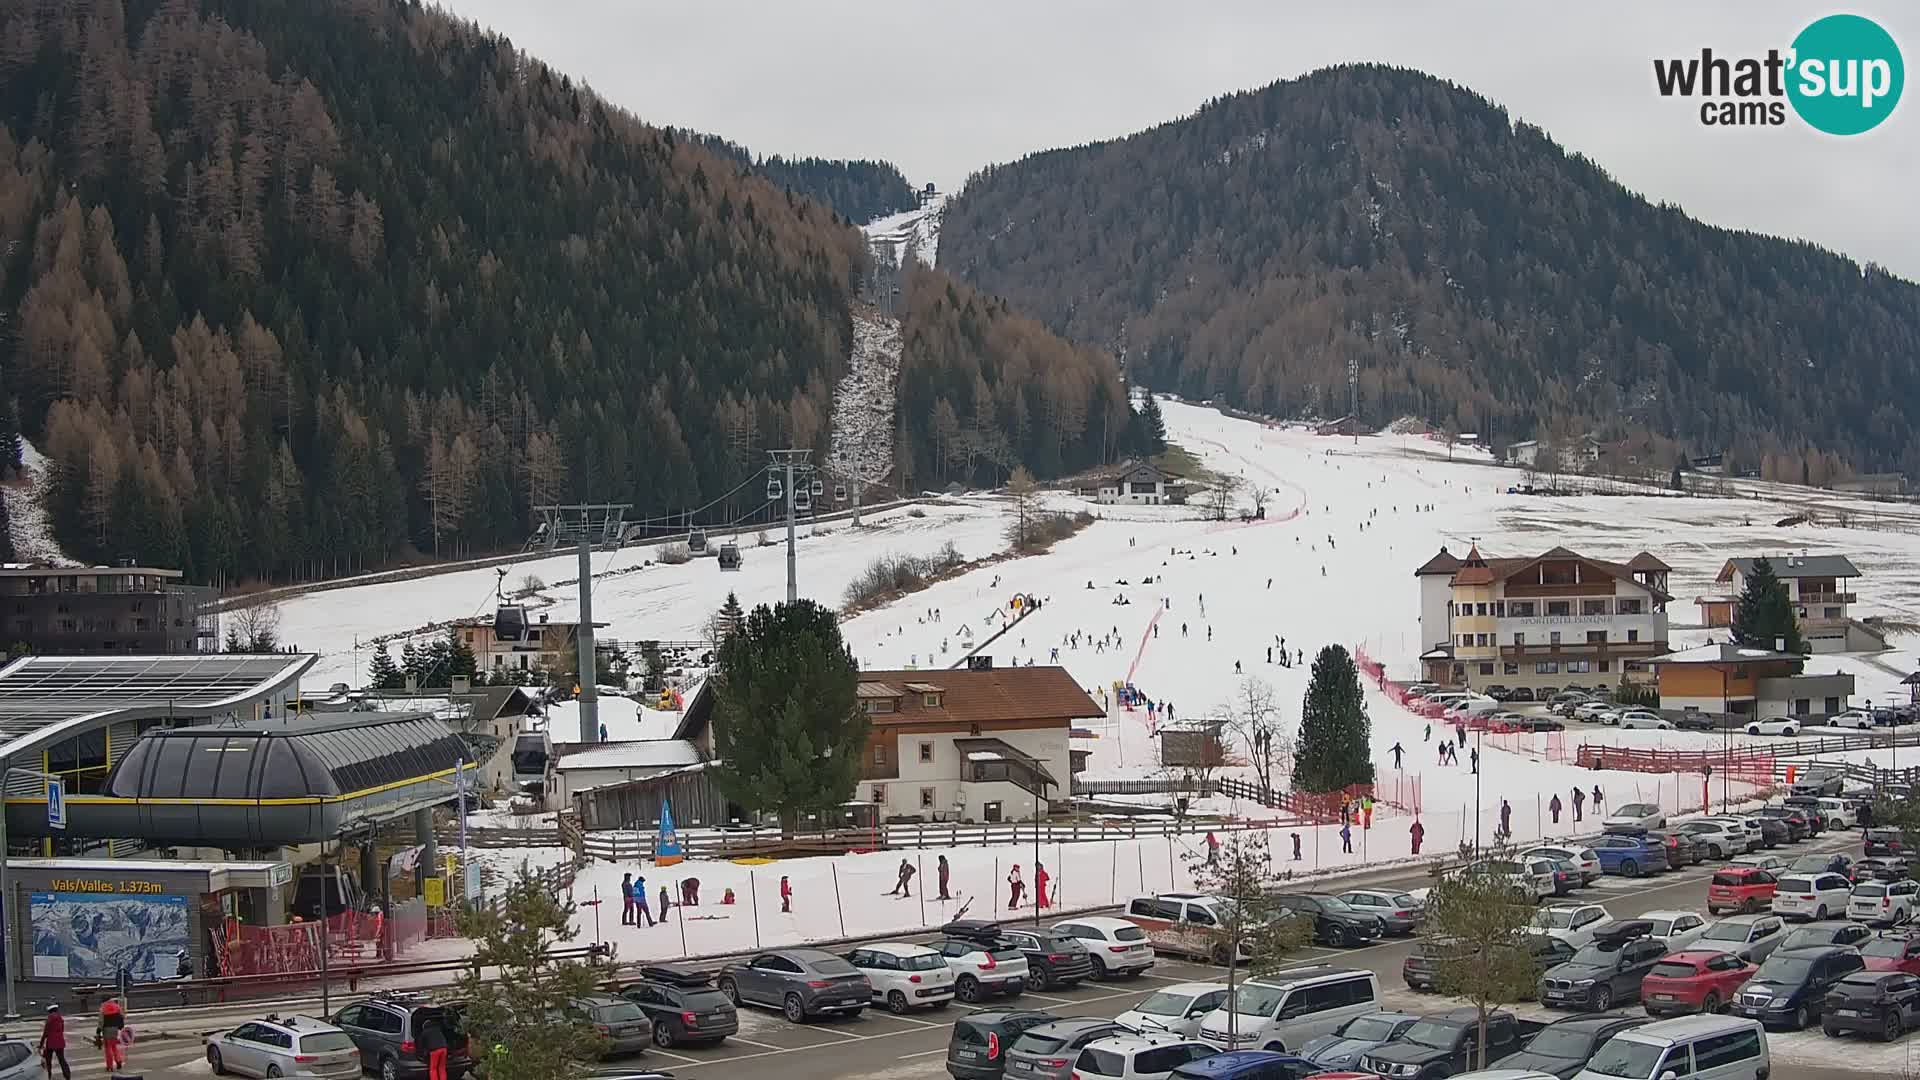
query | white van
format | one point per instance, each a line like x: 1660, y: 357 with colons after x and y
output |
x: 1473, y: 706
x: 1186, y: 924
x: 1695, y: 1047
x: 1283, y: 1010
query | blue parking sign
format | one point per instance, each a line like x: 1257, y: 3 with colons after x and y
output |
x: 56, y: 804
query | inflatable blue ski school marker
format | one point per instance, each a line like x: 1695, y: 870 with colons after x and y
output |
x: 666, y: 852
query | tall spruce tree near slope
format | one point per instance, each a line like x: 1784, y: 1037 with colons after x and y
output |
x: 1764, y: 615
x: 1335, y: 735
x: 787, y: 727
x: 383, y: 673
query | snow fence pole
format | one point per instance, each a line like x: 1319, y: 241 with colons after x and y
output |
x: 1140, y: 863
x: 753, y: 894
x: 920, y: 871
x: 683, y: 919
x: 1171, y: 887
x: 839, y: 908
x: 993, y: 887
x: 1113, y: 875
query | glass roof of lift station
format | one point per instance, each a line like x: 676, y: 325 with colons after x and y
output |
x: 363, y: 755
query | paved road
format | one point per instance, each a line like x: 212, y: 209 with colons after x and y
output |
x: 886, y: 1047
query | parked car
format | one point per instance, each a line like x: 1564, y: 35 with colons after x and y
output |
x: 1741, y: 888
x: 1520, y: 693
x: 1177, y: 1009
x: 1826, y: 863
x: 1773, y: 831
x: 1571, y: 923
x: 1538, y: 723
x: 1790, y: 989
x: 619, y: 1026
x: 1830, y: 932
x: 1681, y: 850
x: 682, y: 1006
x: 1819, y: 780
x: 1137, y: 1057
x: 977, y: 1048
x: 1187, y: 924
x: 1114, y: 946
x: 1566, y: 877
x: 1751, y: 937
x: 1838, y: 812
x: 18, y: 1060
x: 1775, y: 725
x: 1882, y: 868
x: 1883, y: 841
x: 1810, y: 806
x: 1047, y: 1052
x: 1811, y: 896
x: 1531, y: 879
x: 1629, y: 856
x: 1352, y: 1040
x: 1053, y: 960
x: 1643, y: 719
x: 1607, y: 970
x: 1883, y: 1003
x: 1695, y: 720
x: 904, y: 977
x: 1716, y: 840
x: 802, y: 983
x: 1694, y: 980
x: 1419, y: 967
x: 1773, y: 864
x: 1582, y: 858
x: 1677, y: 929
x: 983, y: 965
x: 1800, y: 825
x: 1400, y: 912
x: 1892, y: 952
x: 282, y: 1046
x: 1287, y: 1009
x: 1637, y: 815
x: 390, y: 1031
x: 1708, y: 1047
x: 1852, y: 718
x: 1738, y: 823
x: 1334, y: 922
x: 1563, y: 1047
x: 1247, y: 1065
x: 1447, y: 1043
x: 1586, y: 710
x: 1888, y: 903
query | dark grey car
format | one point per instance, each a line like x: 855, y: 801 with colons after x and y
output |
x: 1048, y: 1052
x: 802, y: 983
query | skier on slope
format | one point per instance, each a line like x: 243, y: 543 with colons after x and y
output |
x: 1015, y: 886
x: 904, y: 886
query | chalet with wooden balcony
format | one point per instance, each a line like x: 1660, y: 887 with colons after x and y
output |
x: 1820, y: 587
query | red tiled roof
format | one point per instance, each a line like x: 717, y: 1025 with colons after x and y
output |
x: 997, y: 694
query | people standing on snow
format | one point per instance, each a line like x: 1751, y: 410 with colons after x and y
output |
x: 1474, y: 755
x: 1397, y: 751
x: 1213, y: 849
x: 640, y: 908
x: 1428, y: 737
x: 1579, y: 800
x: 786, y: 894
x: 1443, y: 753
x: 1417, y: 832
x: 1296, y: 847
x: 1366, y: 812
x: 1040, y: 880
x: 1553, y: 807
x: 1236, y: 667
x: 1346, y: 839
x: 1269, y: 654
x: 941, y: 872
x: 1506, y: 819
x: 1015, y: 886
x: 626, y: 898
x: 904, y: 887
x: 1599, y: 799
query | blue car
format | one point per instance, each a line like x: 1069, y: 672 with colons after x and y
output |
x: 1629, y: 856
x: 1247, y: 1065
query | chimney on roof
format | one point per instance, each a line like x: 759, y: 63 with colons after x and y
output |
x: 543, y: 617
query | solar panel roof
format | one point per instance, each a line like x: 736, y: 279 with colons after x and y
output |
x: 38, y: 692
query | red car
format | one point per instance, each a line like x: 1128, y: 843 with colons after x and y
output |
x: 1696, y: 980
x: 1741, y: 888
x: 1892, y: 952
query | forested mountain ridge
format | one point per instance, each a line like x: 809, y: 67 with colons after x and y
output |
x: 858, y: 191
x: 299, y: 285
x: 1474, y: 271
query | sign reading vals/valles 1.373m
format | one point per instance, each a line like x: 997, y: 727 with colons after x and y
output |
x: 93, y: 885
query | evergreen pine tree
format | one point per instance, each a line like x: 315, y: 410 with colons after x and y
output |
x: 1153, y: 427
x: 383, y: 673
x: 10, y: 447
x: 1335, y: 734
x: 233, y: 643
x: 731, y: 616
x: 1764, y: 614
x: 460, y: 659
x: 6, y: 532
x: 790, y: 733
x: 413, y: 665
x: 1675, y: 483
x: 436, y: 661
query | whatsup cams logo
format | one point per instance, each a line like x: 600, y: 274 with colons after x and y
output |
x: 1842, y: 75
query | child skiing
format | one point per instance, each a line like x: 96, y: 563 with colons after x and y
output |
x: 904, y: 887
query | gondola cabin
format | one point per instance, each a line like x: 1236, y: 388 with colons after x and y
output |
x: 697, y: 542
x: 729, y: 556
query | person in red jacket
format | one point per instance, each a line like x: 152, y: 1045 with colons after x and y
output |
x: 786, y: 894
x: 1418, y: 832
x: 113, y: 1025
x: 1040, y: 880
x: 53, y: 1043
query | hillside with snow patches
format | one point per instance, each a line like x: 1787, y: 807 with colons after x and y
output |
x: 26, y: 497
x: 916, y: 230
x: 865, y: 401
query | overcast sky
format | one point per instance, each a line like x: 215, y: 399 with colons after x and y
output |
x: 942, y: 89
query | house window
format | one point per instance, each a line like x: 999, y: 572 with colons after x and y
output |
x: 1546, y: 667
x: 1604, y: 666
x: 499, y: 660
x: 1633, y: 635
x: 1800, y: 706
x: 931, y: 701
x: 467, y: 636
x: 1519, y: 638
x: 879, y: 705
x: 1521, y: 609
x: 1510, y: 668
x: 926, y: 798
x: 1596, y: 637
x: 1480, y: 609
x: 1831, y: 613
x: 1482, y: 640
x: 1486, y: 669
x: 1559, y: 607
x: 879, y: 753
x: 1833, y: 705
x: 880, y: 794
x: 1593, y: 607
x: 1579, y: 667
x: 1553, y: 637
x: 1467, y: 640
x: 1499, y: 609
x: 926, y: 752
x: 1628, y: 605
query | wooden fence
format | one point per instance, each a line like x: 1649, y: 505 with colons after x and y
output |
x: 627, y: 846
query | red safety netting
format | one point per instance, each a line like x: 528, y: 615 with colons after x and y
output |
x: 352, y: 937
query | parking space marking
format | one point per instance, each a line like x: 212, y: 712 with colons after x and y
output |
x: 921, y: 1053
x: 750, y: 1042
x: 670, y: 1054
